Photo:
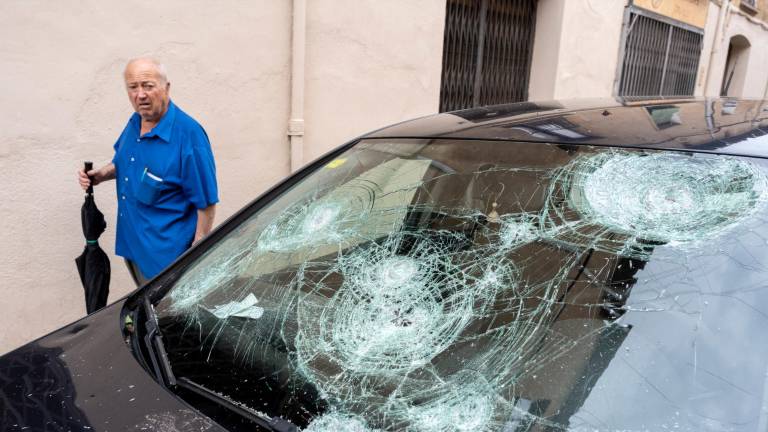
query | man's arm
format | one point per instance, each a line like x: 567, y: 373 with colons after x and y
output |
x: 107, y: 172
x: 204, y: 222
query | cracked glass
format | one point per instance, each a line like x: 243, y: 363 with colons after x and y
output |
x: 438, y: 285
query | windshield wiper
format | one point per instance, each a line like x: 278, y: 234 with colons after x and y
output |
x: 153, y: 340
x: 158, y: 356
x: 276, y: 424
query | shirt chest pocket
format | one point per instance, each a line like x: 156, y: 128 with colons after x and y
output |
x: 149, y: 188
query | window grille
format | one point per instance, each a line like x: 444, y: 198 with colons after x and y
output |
x: 487, y: 49
x: 660, y: 58
x: 750, y: 4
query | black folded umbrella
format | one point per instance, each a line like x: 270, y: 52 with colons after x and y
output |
x: 93, y: 263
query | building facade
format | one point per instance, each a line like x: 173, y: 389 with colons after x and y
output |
x: 647, y: 48
x: 278, y: 83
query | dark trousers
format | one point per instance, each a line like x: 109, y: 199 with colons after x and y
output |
x: 136, y: 274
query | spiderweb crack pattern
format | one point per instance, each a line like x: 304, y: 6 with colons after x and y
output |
x: 383, y: 337
x: 377, y: 313
x: 319, y: 223
x: 625, y: 203
x: 338, y: 422
x: 392, y: 312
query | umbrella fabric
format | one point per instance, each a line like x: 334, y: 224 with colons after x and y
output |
x: 93, y: 263
x: 92, y: 219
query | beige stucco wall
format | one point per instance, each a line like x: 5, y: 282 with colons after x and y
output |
x: 369, y: 64
x: 576, y: 49
x: 62, y: 101
x: 693, y: 12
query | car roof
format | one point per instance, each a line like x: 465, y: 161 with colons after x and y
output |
x: 716, y: 125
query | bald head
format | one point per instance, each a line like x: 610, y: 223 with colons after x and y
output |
x: 148, y: 88
x: 148, y: 62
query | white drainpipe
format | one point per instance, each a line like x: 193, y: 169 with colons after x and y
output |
x: 765, y: 94
x: 298, y: 48
x: 716, y: 42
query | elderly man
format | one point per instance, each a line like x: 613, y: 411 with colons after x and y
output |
x: 166, y: 176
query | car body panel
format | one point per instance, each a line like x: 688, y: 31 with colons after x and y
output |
x: 83, y: 377
x: 713, y: 125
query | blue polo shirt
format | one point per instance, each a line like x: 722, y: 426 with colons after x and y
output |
x: 163, y: 177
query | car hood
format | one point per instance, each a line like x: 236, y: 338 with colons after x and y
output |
x: 83, y: 377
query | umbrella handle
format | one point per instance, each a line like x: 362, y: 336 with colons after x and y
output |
x: 88, y: 167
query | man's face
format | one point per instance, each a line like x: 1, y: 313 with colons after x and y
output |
x: 148, y: 92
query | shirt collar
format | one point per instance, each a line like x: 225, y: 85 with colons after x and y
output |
x: 163, y: 128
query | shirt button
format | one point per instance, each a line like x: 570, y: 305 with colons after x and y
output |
x: 126, y: 179
x: 138, y: 139
x: 131, y: 158
x: 121, y: 215
x: 123, y: 196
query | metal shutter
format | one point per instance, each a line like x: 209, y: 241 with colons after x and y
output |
x: 487, y: 50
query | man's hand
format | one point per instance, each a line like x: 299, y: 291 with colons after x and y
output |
x: 107, y: 172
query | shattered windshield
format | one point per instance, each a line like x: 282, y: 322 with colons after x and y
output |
x: 439, y: 285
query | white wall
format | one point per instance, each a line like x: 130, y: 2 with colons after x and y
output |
x: 756, y: 76
x: 369, y: 64
x: 576, y: 48
x: 712, y: 66
x: 589, y: 48
x: 710, y: 30
x: 546, y: 49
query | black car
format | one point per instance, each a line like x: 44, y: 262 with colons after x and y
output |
x: 581, y: 266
